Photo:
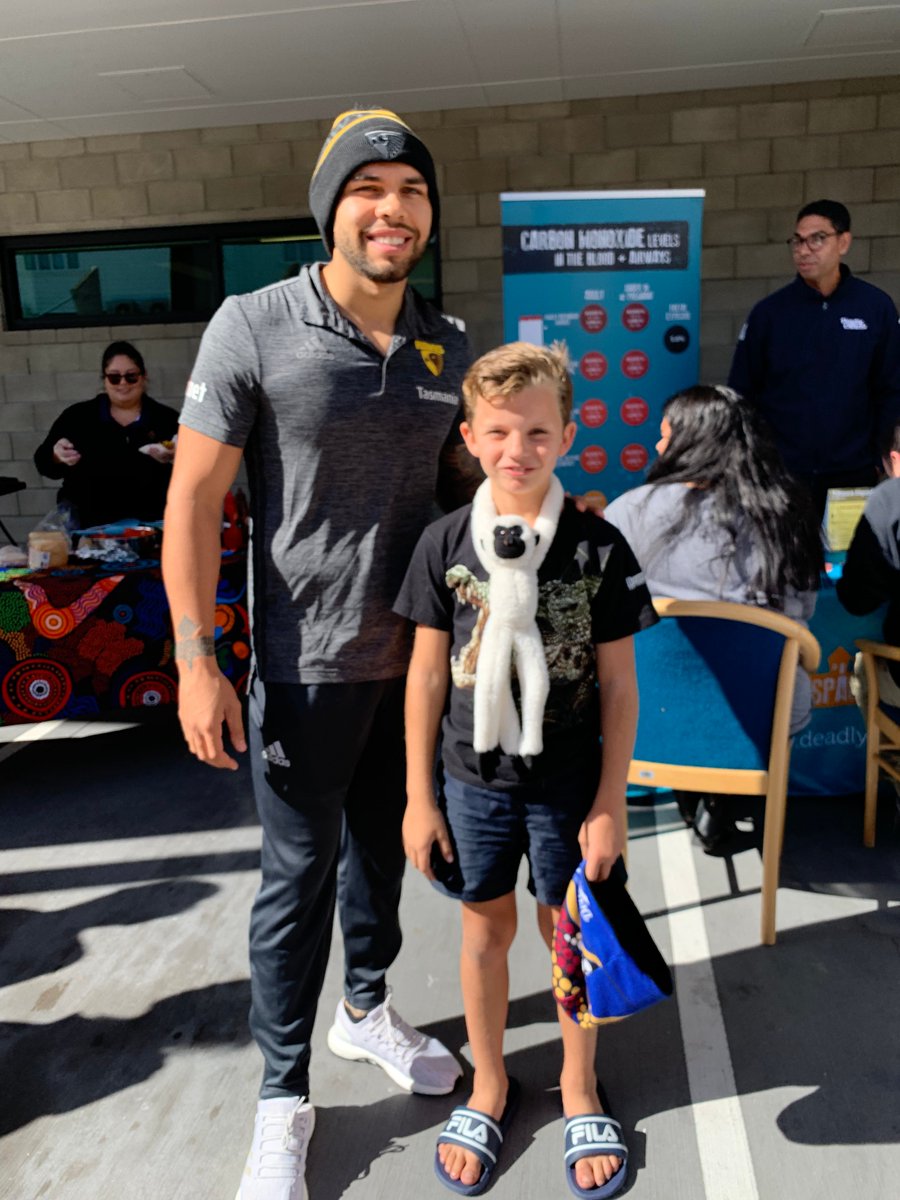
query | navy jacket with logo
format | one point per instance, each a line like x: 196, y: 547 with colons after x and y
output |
x: 824, y: 370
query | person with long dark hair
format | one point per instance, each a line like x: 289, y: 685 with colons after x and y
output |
x: 719, y: 517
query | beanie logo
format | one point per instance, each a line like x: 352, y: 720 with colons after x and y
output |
x: 388, y: 142
x: 432, y: 356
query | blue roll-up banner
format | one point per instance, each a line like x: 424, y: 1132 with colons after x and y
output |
x: 616, y: 276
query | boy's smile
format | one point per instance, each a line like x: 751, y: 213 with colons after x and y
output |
x: 518, y: 439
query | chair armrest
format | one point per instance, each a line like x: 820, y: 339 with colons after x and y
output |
x: 878, y: 649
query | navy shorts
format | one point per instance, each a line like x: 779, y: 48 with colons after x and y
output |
x: 492, y: 830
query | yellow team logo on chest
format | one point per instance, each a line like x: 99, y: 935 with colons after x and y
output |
x: 432, y: 356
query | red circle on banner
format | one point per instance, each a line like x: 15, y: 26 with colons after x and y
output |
x: 634, y: 410
x: 593, y: 413
x: 635, y: 317
x: 593, y: 459
x: 37, y: 689
x: 634, y: 457
x: 593, y: 318
x: 147, y: 689
x: 593, y: 365
x: 635, y: 363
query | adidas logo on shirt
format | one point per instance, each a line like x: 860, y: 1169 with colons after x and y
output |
x: 275, y: 754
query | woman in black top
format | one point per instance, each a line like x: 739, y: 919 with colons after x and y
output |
x: 95, y: 447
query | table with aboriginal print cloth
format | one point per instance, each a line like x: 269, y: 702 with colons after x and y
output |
x: 96, y: 638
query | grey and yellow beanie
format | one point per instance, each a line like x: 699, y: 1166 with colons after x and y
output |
x: 362, y: 136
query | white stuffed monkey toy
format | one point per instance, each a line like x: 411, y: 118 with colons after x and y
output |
x: 511, y: 551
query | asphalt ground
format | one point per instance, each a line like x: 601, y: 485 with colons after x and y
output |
x: 127, y: 871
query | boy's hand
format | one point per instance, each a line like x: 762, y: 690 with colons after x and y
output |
x: 602, y: 840
x: 423, y: 825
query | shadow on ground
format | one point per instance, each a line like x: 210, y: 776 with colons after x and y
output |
x: 64, y: 1065
x: 37, y: 943
x: 138, y: 782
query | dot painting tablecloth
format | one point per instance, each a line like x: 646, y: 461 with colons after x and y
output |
x: 96, y: 638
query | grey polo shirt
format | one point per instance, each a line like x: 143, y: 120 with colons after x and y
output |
x: 341, y: 446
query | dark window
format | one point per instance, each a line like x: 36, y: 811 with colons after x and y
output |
x: 157, y: 275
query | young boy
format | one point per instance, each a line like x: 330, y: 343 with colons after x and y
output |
x: 555, y: 806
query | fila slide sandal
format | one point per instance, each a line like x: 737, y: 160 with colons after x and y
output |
x: 483, y: 1135
x: 586, y: 1137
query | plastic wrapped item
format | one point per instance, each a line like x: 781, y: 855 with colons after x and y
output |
x: 108, y: 550
x: 49, y: 543
x: 60, y: 518
x: 12, y: 556
x: 47, y: 548
x: 120, y: 541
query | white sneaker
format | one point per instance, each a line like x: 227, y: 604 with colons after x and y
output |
x: 276, y: 1164
x: 415, y: 1062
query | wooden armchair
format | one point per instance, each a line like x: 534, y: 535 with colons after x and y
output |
x: 882, y: 730
x: 716, y: 683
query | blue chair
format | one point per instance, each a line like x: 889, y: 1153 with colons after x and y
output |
x: 716, y: 683
x: 882, y: 729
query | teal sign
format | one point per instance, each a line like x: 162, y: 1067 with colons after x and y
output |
x: 616, y: 276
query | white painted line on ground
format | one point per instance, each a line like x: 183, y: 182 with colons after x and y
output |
x: 722, y: 1142
x: 25, y: 734
x: 60, y: 729
x: 34, y: 733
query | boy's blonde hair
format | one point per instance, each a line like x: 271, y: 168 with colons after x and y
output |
x: 509, y: 369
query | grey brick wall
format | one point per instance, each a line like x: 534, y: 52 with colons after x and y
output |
x: 759, y: 152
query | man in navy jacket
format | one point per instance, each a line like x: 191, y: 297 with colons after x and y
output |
x: 821, y: 358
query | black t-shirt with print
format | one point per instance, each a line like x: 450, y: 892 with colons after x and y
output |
x: 590, y: 590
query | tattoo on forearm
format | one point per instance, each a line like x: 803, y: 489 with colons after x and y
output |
x: 190, y: 647
x: 201, y: 647
x: 186, y: 627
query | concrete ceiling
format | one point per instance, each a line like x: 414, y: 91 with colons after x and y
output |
x: 72, y: 68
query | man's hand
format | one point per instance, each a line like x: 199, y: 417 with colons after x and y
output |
x: 588, y: 504
x: 206, y: 701
x: 602, y: 840
x: 423, y: 825
x: 65, y: 453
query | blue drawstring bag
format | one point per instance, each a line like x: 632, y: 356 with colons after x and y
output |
x: 605, y: 963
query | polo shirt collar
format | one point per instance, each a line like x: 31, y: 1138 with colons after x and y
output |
x: 416, y: 315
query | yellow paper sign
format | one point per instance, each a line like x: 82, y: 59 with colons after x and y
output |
x: 842, y: 513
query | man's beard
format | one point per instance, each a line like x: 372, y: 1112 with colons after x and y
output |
x: 385, y: 272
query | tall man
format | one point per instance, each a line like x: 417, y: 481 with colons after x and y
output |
x: 341, y: 388
x: 821, y: 358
